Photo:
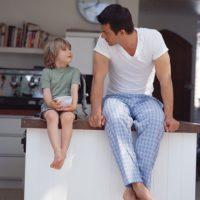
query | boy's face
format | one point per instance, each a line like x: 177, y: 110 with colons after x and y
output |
x: 64, y: 56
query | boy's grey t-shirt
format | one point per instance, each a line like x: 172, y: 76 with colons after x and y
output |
x: 60, y: 80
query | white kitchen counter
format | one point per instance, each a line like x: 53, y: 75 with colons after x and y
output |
x: 90, y: 171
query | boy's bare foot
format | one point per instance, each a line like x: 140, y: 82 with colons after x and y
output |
x: 59, y: 159
x: 141, y: 191
x: 129, y: 194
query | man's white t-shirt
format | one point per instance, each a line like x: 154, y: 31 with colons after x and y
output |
x: 133, y: 74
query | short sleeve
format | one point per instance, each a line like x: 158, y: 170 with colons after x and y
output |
x: 45, y: 79
x: 102, y: 47
x: 76, y: 77
x: 158, y: 44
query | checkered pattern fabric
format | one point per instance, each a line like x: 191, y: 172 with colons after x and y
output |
x: 135, y: 158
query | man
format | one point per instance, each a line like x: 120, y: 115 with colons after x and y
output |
x: 131, y: 56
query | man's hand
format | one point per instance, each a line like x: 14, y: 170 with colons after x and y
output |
x: 97, y: 120
x: 171, y: 124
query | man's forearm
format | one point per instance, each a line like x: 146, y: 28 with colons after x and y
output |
x: 167, y: 97
x: 96, y: 97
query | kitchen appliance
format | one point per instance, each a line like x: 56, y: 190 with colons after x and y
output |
x: 21, y: 89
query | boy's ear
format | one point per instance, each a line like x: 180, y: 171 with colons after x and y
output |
x: 50, y: 60
x: 51, y: 48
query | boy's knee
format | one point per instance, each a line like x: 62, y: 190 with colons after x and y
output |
x: 67, y: 117
x: 51, y: 116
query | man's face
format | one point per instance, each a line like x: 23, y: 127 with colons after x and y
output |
x: 109, y: 35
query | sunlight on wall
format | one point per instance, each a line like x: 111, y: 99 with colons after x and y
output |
x: 197, y: 74
x: 58, y: 192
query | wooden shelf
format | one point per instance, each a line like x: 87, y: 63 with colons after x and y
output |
x: 20, y: 50
x: 81, y: 33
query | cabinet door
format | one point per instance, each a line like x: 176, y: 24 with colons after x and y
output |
x: 11, y: 146
x: 11, y: 134
x: 12, y: 172
x: 12, y: 162
x: 12, y: 167
x: 82, y: 49
x: 11, y: 126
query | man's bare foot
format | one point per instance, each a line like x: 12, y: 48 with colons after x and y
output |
x: 141, y: 191
x: 129, y: 194
x: 59, y: 159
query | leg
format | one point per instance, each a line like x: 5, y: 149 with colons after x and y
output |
x: 149, y: 124
x: 129, y: 194
x: 52, y: 118
x: 141, y: 191
x: 66, y: 119
x: 118, y: 128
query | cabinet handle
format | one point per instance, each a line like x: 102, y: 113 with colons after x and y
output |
x: 11, y: 134
x: 11, y: 155
x: 10, y: 179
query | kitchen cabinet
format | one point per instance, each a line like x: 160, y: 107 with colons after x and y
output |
x: 12, y: 160
x: 83, y: 44
x: 11, y: 57
x: 90, y: 163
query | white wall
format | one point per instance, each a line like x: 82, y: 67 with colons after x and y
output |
x: 52, y: 16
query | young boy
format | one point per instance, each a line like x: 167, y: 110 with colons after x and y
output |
x: 59, y: 79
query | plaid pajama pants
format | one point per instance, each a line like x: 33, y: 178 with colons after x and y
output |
x: 135, y: 158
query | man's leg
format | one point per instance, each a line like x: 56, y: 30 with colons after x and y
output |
x: 129, y: 194
x: 118, y: 128
x: 149, y: 124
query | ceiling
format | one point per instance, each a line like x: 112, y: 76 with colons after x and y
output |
x: 181, y: 6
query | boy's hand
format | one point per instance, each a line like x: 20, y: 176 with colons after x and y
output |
x: 54, y: 104
x: 69, y: 108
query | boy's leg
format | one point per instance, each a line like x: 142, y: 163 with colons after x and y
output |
x: 52, y: 119
x: 66, y: 119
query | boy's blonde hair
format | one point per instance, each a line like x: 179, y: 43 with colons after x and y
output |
x: 52, y: 48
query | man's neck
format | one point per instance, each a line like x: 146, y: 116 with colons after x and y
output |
x: 129, y: 43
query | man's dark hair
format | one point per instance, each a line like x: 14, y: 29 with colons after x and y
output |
x: 118, y: 17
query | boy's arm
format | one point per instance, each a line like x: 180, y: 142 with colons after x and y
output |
x: 74, y: 95
x: 48, y: 99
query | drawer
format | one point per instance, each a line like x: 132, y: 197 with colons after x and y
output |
x: 11, y: 146
x: 11, y: 126
x: 12, y: 167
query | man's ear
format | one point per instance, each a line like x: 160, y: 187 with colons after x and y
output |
x: 122, y: 32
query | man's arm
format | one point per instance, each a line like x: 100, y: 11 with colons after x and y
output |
x: 100, y: 69
x: 163, y: 73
